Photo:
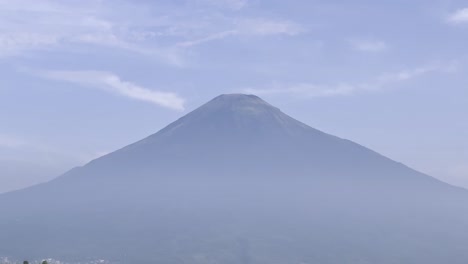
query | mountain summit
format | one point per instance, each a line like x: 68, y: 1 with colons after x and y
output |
x: 236, y: 113
x: 238, y: 181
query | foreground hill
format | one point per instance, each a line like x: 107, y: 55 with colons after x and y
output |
x: 238, y: 181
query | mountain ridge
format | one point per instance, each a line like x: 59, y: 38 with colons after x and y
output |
x: 239, y: 105
x: 238, y: 181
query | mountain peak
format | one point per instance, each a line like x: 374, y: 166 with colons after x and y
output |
x: 232, y: 117
x: 233, y: 113
x: 236, y: 97
x: 237, y: 102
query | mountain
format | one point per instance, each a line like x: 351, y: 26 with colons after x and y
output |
x: 238, y: 181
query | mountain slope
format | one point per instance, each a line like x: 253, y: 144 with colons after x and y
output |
x: 238, y: 181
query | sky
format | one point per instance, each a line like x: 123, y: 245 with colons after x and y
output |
x: 79, y: 79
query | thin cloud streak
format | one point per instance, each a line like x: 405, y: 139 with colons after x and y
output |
x: 343, y: 89
x: 250, y: 27
x: 113, y: 83
x: 217, y: 36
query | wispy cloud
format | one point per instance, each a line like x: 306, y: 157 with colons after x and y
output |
x: 369, y: 45
x: 213, y: 37
x: 113, y: 83
x: 342, y: 89
x: 459, y: 16
x: 250, y: 27
x: 28, y: 26
x: 14, y: 43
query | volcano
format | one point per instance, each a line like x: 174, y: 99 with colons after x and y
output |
x: 238, y: 181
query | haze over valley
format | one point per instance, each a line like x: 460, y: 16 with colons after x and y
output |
x: 233, y: 131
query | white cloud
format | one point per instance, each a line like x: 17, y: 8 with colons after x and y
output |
x: 369, y: 45
x: 342, y: 89
x: 459, y: 16
x: 112, y: 83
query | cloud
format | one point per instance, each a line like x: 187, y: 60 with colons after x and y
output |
x: 342, y: 89
x: 113, y: 83
x: 14, y: 43
x: 369, y: 45
x: 304, y: 89
x: 250, y: 27
x: 216, y: 36
x: 29, y: 26
x: 458, y: 17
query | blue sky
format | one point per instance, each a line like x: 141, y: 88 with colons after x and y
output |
x: 79, y: 79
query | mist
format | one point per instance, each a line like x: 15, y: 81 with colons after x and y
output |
x: 239, y: 181
x: 233, y: 132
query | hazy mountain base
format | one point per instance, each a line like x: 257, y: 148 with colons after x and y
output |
x: 279, y: 223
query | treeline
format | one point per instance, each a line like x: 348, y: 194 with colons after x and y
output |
x: 43, y: 262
